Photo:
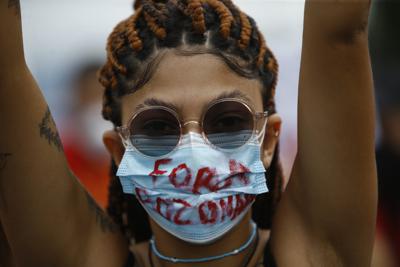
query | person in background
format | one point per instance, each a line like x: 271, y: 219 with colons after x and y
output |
x: 81, y: 133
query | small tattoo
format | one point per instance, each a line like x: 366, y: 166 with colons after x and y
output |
x: 14, y: 4
x: 48, y: 130
x: 3, y: 160
x: 106, y: 224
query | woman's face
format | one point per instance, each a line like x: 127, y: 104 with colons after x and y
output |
x: 188, y: 84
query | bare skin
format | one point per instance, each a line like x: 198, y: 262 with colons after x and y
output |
x: 326, y: 216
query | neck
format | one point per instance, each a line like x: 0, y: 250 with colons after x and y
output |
x: 173, y: 247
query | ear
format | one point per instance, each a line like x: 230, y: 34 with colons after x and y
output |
x: 271, y: 138
x: 114, y: 145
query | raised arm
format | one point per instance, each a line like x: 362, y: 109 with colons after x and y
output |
x: 47, y: 217
x: 327, y: 215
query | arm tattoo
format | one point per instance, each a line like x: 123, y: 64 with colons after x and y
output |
x: 3, y: 160
x: 14, y: 4
x: 106, y: 224
x: 48, y: 130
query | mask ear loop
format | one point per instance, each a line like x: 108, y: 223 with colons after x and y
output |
x: 261, y: 135
x: 123, y: 133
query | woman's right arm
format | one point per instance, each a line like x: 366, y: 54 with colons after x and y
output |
x: 47, y: 216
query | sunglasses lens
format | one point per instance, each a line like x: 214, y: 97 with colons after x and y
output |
x: 228, y: 124
x: 155, y: 132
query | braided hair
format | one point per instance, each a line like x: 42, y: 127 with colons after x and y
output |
x: 163, y: 24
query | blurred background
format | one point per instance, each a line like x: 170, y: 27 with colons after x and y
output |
x: 65, y: 46
x: 385, y: 55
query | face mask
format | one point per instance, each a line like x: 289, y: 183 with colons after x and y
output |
x: 196, y: 193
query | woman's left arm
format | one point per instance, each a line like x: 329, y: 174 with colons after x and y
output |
x: 328, y: 210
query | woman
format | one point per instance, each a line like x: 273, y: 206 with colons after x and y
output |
x: 190, y: 87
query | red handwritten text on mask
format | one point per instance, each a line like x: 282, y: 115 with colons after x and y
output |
x: 208, y: 212
x: 205, y: 179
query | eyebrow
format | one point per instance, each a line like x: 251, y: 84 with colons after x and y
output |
x: 153, y: 102
x: 233, y: 94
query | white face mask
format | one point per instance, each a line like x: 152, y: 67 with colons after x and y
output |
x: 197, y: 192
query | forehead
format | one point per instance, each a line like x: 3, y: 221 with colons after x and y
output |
x: 190, y: 83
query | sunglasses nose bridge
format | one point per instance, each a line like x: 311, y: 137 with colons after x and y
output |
x: 191, y: 126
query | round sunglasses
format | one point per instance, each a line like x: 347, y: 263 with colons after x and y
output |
x: 226, y: 124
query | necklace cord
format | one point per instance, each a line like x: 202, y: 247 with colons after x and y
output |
x: 204, y: 259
